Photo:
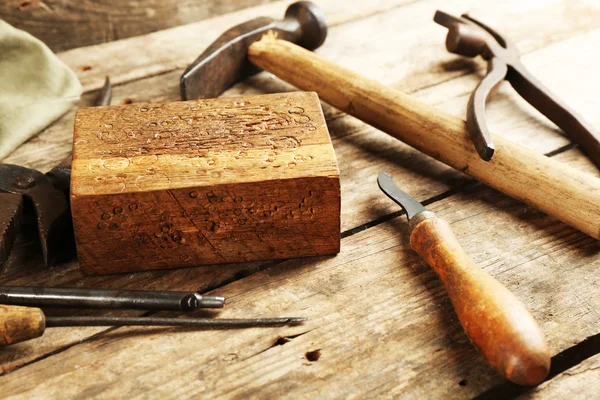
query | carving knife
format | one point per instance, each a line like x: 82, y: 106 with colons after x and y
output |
x: 495, y: 321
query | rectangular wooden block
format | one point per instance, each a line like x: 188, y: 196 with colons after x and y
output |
x: 203, y: 182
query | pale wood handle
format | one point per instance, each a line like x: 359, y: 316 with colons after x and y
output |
x: 495, y: 321
x: 18, y: 324
x: 556, y: 189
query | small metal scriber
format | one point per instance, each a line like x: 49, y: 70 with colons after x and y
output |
x: 211, y: 323
x: 19, y: 324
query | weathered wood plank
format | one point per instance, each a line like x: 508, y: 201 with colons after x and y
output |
x: 67, y: 24
x: 362, y: 151
x: 579, y: 382
x: 42, y: 152
x: 420, y: 40
x: 365, y: 148
x: 375, y: 301
x: 173, y: 48
x: 400, y: 70
x: 26, y: 268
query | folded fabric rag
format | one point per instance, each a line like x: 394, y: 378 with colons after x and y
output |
x: 36, y: 87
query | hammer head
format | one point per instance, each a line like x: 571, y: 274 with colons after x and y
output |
x: 225, y: 62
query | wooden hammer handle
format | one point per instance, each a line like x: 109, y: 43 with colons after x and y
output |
x: 493, y: 318
x: 556, y: 189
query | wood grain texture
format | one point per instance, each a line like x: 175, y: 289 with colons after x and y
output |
x: 579, y: 382
x: 18, y: 324
x: 433, y: 76
x: 429, y: 73
x: 179, y: 46
x: 558, y: 190
x: 380, y: 317
x: 371, y: 349
x: 203, y: 182
x: 376, y: 151
x: 493, y: 318
x: 25, y: 268
x: 66, y: 24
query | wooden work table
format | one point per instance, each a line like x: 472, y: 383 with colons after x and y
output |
x: 380, y: 323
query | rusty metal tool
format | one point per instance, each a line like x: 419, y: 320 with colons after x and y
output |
x: 470, y: 37
x: 47, y: 196
x: 303, y: 24
x: 107, y: 299
x: 18, y: 324
x: 554, y: 188
x: 495, y: 321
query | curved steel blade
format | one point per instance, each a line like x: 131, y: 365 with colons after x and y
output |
x: 387, y: 186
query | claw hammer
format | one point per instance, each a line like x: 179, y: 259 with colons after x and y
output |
x: 558, y: 190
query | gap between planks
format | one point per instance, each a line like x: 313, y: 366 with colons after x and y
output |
x: 345, y: 234
x: 349, y: 231
x: 561, y: 364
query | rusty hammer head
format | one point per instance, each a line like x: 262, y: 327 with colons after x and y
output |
x: 225, y: 62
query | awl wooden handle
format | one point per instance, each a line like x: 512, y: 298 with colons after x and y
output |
x: 18, y: 324
x: 494, y: 319
x: 556, y: 189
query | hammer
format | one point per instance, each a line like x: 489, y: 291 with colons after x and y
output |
x: 558, y: 190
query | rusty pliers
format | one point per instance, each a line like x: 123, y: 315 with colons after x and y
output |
x: 470, y: 37
x: 46, y: 195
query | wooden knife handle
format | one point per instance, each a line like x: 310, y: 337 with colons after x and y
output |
x: 493, y: 318
x: 554, y: 188
x: 18, y: 324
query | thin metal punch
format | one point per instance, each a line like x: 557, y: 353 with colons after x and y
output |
x: 107, y: 299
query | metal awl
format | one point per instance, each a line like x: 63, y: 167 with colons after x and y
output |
x: 19, y: 324
x: 209, y: 323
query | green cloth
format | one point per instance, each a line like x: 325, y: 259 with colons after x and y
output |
x: 36, y: 88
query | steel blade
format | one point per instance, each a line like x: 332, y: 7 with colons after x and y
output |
x: 387, y: 186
